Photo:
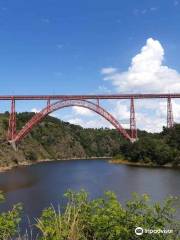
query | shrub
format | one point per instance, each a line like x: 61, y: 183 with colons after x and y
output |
x: 9, y: 221
x: 105, y: 219
x: 99, y: 219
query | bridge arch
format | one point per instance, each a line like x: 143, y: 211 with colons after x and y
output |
x: 38, y: 117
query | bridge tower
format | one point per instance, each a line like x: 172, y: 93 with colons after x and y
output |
x: 133, y: 129
x: 48, y: 104
x: 170, y: 118
x: 12, y: 121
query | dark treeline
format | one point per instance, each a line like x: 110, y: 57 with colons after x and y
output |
x: 156, y: 149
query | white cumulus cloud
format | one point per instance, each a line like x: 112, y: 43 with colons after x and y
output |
x: 92, y: 123
x: 82, y: 111
x: 146, y: 72
x: 108, y: 70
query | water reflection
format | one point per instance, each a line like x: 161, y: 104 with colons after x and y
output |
x: 39, y: 185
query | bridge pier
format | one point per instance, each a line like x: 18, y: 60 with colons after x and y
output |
x: 170, y: 118
x: 12, y: 121
x: 13, y: 144
x: 133, y: 140
x: 98, y: 101
x: 133, y: 129
x: 48, y: 104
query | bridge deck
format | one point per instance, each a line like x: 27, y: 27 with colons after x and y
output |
x: 103, y: 96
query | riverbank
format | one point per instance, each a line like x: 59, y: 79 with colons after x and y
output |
x: 110, y: 160
x: 141, y: 164
x: 7, y: 168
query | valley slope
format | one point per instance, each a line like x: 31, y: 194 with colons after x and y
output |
x: 55, y: 139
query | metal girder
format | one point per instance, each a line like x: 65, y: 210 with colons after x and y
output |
x: 12, y: 121
x: 133, y: 130
x: 38, y: 117
x: 82, y: 97
x: 83, y: 101
x: 170, y: 118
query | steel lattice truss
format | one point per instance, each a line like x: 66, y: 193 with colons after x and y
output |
x: 85, y: 101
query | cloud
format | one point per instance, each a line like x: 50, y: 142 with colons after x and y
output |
x: 92, y: 123
x: 108, y: 70
x: 162, y: 110
x: 88, y: 118
x: 82, y: 111
x: 146, y: 72
x: 53, y: 114
x: 120, y: 110
x: 103, y: 89
x: 35, y: 110
x: 150, y: 123
x: 144, y: 11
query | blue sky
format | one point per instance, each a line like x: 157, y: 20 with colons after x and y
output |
x: 61, y: 47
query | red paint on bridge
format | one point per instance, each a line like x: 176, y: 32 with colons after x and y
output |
x: 101, y: 96
x: 38, y: 117
x: 82, y: 101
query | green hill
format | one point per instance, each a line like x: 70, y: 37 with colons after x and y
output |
x: 55, y: 139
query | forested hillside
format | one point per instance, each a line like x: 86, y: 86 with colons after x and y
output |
x: 155, y: 149
x: 54, y: 139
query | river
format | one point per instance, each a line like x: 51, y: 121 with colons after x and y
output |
x: 37, y: 186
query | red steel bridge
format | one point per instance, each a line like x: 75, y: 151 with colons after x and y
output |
x: 92, y: 102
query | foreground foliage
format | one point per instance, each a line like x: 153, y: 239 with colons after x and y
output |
x: 9, y: 221
x: 100, y: 219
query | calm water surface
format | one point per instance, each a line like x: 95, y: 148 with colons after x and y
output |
x: 38, y: 186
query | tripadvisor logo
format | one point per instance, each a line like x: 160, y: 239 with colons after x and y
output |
x: 139, y: 231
